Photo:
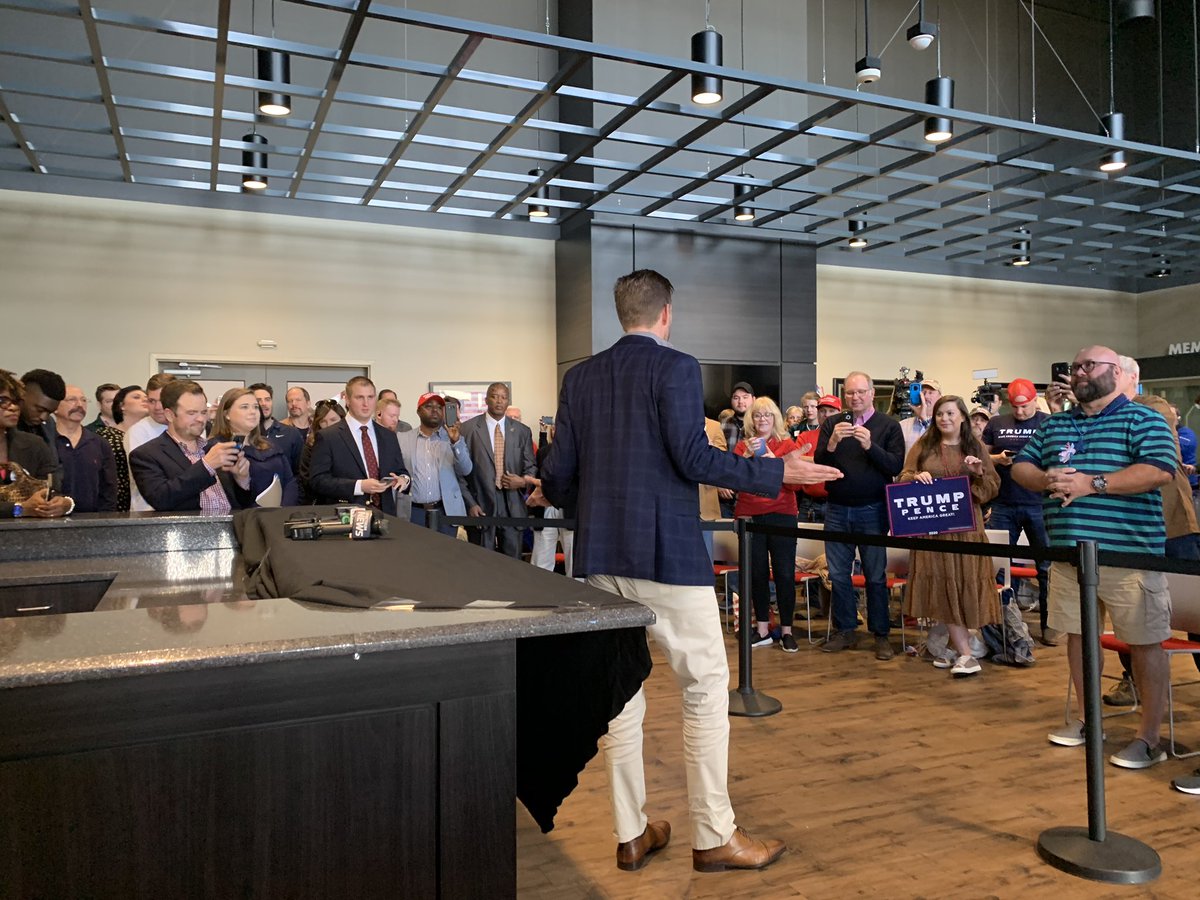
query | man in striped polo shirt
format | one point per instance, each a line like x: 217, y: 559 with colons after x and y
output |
x: 1101, y: 465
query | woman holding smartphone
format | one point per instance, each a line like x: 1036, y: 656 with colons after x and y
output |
x: 957, y: 590
x: 770, y: 553
x: 239, y: 420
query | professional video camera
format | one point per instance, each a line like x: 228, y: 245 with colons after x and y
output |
x: 355, y: 522
x: 906, y: 393
x: 986, y: 394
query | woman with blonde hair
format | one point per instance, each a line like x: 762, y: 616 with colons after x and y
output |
x: 239, y: 419
x: 957, y: 590
x: 769, y: 553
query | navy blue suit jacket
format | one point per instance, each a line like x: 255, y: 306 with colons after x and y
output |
x: 335, y: 465
x: 170, y: 482
x: 630, y: 435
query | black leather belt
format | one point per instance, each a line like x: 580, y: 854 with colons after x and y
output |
x: 436, y: 504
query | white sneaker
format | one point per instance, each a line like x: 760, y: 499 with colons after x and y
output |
x: 945, y: 660
x: 964, y: 666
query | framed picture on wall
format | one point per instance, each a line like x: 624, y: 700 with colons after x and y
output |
x: 471, y: 395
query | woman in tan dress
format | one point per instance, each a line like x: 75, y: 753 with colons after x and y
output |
x: 957, y: 590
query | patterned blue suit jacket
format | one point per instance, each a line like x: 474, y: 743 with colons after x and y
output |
x: 630, y: 433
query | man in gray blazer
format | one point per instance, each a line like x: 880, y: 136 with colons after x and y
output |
x: 497, y: 488
x: 438, y: 461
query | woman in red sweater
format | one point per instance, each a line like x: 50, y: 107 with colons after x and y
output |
x: 770, y: 553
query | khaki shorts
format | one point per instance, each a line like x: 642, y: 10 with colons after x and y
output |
x: 1137, y: 602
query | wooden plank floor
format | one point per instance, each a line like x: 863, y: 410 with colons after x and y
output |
x: 886, y: 780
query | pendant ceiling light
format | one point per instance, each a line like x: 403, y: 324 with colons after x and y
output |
x: 1112, y: 124
x: 276, y: 66
x: 538, y: 210
x: 857, y: 241
x: 1021, y: 246
x: 742, y: 212
x: 939, y: 92
x: 706, y: 48
x: 923, y: 33
x: 255, y: 161
x: 1162, y: 267
x: 869, y: 69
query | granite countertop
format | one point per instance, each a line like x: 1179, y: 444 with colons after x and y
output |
x: 111, y: 520
x: 121, y: 643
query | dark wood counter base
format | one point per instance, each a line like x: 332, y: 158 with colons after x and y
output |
x: 387, y: 775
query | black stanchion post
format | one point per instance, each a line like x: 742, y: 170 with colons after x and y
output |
x: 746, y: 701
x: 433, y: 518
x: 1095, y: 852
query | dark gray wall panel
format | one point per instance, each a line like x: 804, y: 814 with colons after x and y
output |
x: 727, y: 293
x: 796, y: 379
x: 612, y: 257
x: 573, y: 294
x: 799, y: 317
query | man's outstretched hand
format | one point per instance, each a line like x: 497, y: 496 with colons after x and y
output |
x: 799, y: 470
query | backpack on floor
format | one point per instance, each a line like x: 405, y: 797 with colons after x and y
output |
x: 1010, y: 643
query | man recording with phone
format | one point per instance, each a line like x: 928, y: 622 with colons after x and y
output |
x: 868, y: 447
x: 439, y: 459
x: 1016, y: 508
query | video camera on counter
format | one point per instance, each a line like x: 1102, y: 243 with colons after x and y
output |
x: 356, y: 522
x: 986, y: 394
x: 906, y: 393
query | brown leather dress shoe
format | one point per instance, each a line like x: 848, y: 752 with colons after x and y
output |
x: 632, y: 855
x: 741, y: 852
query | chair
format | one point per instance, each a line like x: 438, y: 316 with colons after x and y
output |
x: 1172, y: 646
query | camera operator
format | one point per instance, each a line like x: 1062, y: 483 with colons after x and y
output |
x: 1016, y: 508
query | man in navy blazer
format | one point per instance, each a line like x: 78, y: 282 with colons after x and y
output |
x: 339, y: 470
x: 630, y: 435
x: 174, y: 473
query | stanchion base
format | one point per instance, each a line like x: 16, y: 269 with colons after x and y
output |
x: 1118, y: 859
x: 752, y: 704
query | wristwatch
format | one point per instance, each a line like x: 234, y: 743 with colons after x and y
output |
x: 1100, y: 484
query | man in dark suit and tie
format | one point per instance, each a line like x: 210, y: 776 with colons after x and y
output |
x: 498, y: 480
x: 357, y: 460
x: 175, y: 473
x: 630, y: 434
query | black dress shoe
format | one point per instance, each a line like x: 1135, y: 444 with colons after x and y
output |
x: 632, y: 855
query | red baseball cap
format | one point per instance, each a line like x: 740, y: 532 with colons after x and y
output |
x: 1020, y: 391
x: 830, y: 400
x: 425, y: 398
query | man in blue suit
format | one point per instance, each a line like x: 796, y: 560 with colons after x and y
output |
x: 631, y: 437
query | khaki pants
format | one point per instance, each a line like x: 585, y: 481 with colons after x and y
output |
x: 689, y: 631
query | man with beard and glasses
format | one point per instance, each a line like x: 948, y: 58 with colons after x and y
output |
x: 1100, y: 466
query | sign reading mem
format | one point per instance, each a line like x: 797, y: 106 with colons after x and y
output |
x: 920, y: 509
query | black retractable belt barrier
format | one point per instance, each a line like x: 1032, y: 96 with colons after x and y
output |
x: 745, y: 700
x: 1095, y: 852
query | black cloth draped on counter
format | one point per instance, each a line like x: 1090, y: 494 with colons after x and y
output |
x: 569, y: 686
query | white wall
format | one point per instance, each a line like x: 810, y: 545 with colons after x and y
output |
x: 1168, y: 317
x: 92, y: 288
x: 948, y: 327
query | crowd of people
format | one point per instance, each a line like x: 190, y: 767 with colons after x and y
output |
x: 1117, y: 467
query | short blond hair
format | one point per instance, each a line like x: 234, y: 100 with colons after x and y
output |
x: 764, y: 404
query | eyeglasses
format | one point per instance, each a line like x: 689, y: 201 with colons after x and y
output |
x: 1088, y: 365
x: 763, y: 415
x: 861, y: 393
x: 8, y: 403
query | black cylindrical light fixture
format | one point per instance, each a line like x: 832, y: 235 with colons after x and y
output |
x: 857, y: 241
x: 742, y: 211
x: 1021, y: 247
x: 255, y: 161
x: 1114, y: 127
x: 706, y: 48
x: 1128, y: 10
x: 939, y: 92
x: 1162, y: 267
x: 538, y: 210
x: 276, y: 66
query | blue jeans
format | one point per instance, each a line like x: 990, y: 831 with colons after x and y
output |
x: 1017, y: 518
x: 869, y: 519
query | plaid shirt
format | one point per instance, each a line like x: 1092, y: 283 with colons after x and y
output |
x: 212, y: 499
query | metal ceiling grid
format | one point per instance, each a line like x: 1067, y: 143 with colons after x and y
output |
x: 415, y: 111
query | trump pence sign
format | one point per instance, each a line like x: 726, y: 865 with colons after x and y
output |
x: 917, y: 509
